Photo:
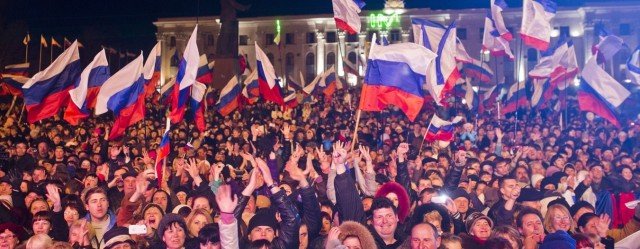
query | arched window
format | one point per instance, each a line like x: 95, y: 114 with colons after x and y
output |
x: 289, y: 63
x: 310, y: 67
x: 331, y: 59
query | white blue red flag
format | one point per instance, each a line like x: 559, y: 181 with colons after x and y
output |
x: 229, y: 97
x: 330, y: 83
x: 152, y: 70
x: 12, y: 84
x: 186, y: 77
x: 21, y: 69
x: 346, y: 15
x: 251, y: 90
x: 163, y: 150
x: 496, y: 36
x: 600, y: 93
x: 479, y: 70
x: 123, y: 94
x: 85, y: 89
x: 196, y: 105
x: 440, y: 129
x: 205, y: 70
x: 633, y: 66
x: 269, y: 89
x: 516, y: 98
x: 536, y: 23
x: 395, y: 76
x: 48, y: 91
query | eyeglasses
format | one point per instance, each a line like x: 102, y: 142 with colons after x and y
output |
x: 7, y: 236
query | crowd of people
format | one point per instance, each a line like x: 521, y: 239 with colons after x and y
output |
x: 272, y: 177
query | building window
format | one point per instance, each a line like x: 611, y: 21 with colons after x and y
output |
x: 331, y: 37
x: 352, y: 37
x: 243, y: 40
x: 289, y: 63
x: 394, y: 36
x: 462, y: 33
x: 352, y: 57
x: 625, y: 29
x: 271, y: 59
x: 532, y: 54
x: 370, y: 34
x: 269, y: 39
x: 290, y: 38
x: 564, y: 31
x: 172, y: 41
x: 311, y: 37
x: 310, y: 67
x: 210, y: 40
x: 331, y: 59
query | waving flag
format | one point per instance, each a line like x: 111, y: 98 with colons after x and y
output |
x: 123, y: 94
x: 204, y: 75
x: 43, y: 41
x: 26, y: 39
x: 461, y: 53
x: 310, y: 89
x: 251, y: 90
x: 442, y: 40
x: 55, y: 43
x: 550, y: 59
x: 540, y: 86
x: 48, y: 91
x: 536, y: 23
x: 470, y: 96
x: 291, y: 100
x: 609, y: 46
x: 395, y: 75
x: 600, y: 93
x: 86, y: 88
x: 229, y: 97
x: 186, y: 77
x: 487, y: 98
x: 496, y: 36
x: 345, y: 12
x: 292, y: 85
x: 478, y: 70
x: 440, y: 129
x: 166, y: 92
x: 516, y: 98
x: 12, y: 84
x: 633, y: 66
x: 163, y: 150
x: 330, y: 83
x: 21, y: 69
x: 269, y: 89
x: 348, y: 67
x: 152, y: 70
x: 196, y: 107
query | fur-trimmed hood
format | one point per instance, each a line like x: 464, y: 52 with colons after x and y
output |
x: 403, y: 198
x: 351, y: 228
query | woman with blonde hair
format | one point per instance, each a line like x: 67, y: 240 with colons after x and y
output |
x: 197, y: 219
x: 558, y: 218
x: 510, y: 234
x: 39, y: 241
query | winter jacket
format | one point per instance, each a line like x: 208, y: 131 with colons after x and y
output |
x: 311, y: 212
x: 290, y: 224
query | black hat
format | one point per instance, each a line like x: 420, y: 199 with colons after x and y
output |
x: 582, y: 221
x: 20, y: 233
x: 580, y: 204
x: 529, y: 194
x: 117, y: 236
x: 460, y: 193
x: 263, y: 217
x: 546, y: 181
x: 169, y: 219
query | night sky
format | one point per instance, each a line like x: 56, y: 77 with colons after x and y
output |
x: 127, y: 25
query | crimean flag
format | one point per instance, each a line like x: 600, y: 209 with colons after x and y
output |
x: 346, y: 15
x: 47, y: 92
x: 536, y: 22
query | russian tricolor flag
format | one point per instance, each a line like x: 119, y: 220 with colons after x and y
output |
x: 196, y: 106
x: 229, y: 97
x: 123, y: 94
x: 310, y: 89
x: 163, y: 150
x: 186, y: 77
x: 516, y: 98
x: 21, y: 69
x: 12, y: 84
x: 345, y: 12
x: 86, y: 88
x: 496, y: 36
x: 600, y: 93
x: 440, y: 129
x: 205, y: 73
x: 269, y: 88
x: 251, y: 90
x: 330, y: 83
x: 395, y: 75
x: 48, y: 91
x: 166, y: 92
x: 536, y: 23
x: 291, y: 101
x: 152, y: 69
x: 443, y: 74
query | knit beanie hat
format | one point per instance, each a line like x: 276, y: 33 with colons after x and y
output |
x: 263, y: 217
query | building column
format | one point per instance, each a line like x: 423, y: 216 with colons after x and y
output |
x: 320, y: 53
x: 341, y: 52
x: 384, y: 34
x: 361, y: 53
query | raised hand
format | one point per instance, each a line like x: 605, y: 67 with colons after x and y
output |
x: 145, y: 157
x: 334, y: 234
x: 364, y: 152
x: 115, y: 151
x: 286, y: 130
x: 603, y: 225
x: 264, y: 169
x: 54, y: 196
x: 297, y: 174
x: 194, y: 172
x: 226, y: 199
x: 499, y: 133
x: 339, y: 153
x: 215, y: 171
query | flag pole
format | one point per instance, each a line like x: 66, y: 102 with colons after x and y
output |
x: 13, y: 103
x: 518, y: 66
x: 21, y: 112
x: 425, y: 135
x: 26, y: 49
x: 51, y: 55
x: 355, y: 130
x: 40, y: 60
